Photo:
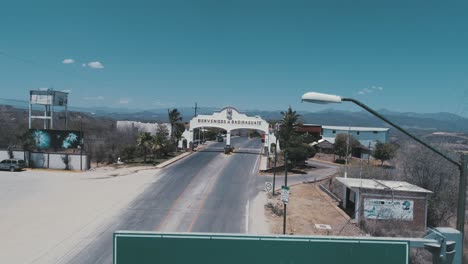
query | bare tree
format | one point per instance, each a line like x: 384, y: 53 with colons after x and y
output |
x: 66, y: 161
x: 421, y: 167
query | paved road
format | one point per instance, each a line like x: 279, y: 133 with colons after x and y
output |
x: 322, y: 170
x: 205, y: 192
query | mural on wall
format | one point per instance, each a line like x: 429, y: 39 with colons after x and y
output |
x: 57, y: 139
x: 388, y: 209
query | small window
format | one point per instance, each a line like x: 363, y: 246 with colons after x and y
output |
x: 3, y: 161
x: 334, y: 131
x: 375, y: 132
x: 8, y: 161
x: 357, y: 132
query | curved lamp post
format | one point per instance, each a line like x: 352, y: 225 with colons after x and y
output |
x: 320, y: 98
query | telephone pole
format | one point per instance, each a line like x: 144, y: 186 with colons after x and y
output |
x: 193, y: 129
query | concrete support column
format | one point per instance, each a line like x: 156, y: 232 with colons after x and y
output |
x: 30, y: 113
x: 228, y: 138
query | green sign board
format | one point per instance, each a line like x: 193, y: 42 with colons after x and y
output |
x: 142, y: 247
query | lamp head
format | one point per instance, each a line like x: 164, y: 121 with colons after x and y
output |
x: 321, y: 98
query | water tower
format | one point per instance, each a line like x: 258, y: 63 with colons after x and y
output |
x: 48, y: 98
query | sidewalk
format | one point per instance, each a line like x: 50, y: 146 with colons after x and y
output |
x: 181, y: 156
x: 263, y: 163
x: 169, y: 162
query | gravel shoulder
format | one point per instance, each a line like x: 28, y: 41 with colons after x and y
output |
x: 47, y: 215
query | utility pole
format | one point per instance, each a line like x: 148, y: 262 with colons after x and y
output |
x: 368, y: 155
x: 81, y: 141
x: 286, y: 186
x: 274, y: 169
x: 347, y: 149
x: 276, y: 157
x: 193, y: 129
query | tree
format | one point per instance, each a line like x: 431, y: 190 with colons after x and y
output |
x: 290, y: 141
x: 66, y: 161
x: 160, y: 144
x: 341, y: 145
x: 309, y: 138
x: 144, y: 141
x: 26, y: 141
x: 287, y: 126
x: 384, y: 151
x: 179, y: 130
x: 100, y: 154
x: 129, y: 152
x: 174, y: 118
x: 425, y: 169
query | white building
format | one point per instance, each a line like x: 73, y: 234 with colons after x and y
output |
x: 141, y: 127
x: 365, y: 135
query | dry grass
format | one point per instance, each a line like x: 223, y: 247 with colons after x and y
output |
x: 308, y: 206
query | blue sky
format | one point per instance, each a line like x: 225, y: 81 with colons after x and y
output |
x: 398, y: 55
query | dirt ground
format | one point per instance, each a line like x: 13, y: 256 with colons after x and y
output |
x: 309, y: 206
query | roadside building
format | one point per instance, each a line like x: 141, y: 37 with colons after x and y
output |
x: 311, y: 129
x: 384, y: 205
x: 367, y: 136
x: 142, y: 127
x: 323, y: 146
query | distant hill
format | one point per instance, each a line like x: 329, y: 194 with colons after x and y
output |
x: 423, y: 122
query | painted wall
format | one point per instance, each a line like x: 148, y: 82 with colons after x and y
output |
x: 55, y: 161
x: 17, y: 154
x: 49, y: 160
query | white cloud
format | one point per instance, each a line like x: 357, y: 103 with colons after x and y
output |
x: 68, y: 61
x: 161, y: 104
x: 96, y: 98
x: 370, y: 90
x: 96, y: 65
x: 84, y: 64
x: 124, y: 101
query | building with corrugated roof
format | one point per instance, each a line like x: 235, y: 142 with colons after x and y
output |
x: 367, y: 136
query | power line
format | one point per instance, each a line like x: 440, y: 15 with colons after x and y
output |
x: 69, y: 107
x: 41, y: 65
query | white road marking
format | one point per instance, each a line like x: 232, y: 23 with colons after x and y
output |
x: 247, y: 208
x: 255, y: 167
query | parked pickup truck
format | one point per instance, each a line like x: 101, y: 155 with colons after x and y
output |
x: 12, y: 164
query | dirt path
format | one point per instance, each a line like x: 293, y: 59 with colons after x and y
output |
x: 309, y: 206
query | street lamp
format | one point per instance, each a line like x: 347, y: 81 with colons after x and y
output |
x: 81, y: 141
x: 321, y: 98
x: 276, y: 156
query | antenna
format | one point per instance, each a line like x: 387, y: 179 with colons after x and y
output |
x: 196, y: 108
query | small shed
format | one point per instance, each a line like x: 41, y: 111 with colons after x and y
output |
x: 377, y: 202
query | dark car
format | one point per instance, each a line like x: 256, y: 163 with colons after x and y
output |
x: 12, y: 164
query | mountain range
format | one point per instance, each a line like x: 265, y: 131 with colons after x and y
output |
x: 424, y: 122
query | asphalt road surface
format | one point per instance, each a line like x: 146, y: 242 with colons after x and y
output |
x: 206, y: 192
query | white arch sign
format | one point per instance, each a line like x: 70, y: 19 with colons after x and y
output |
x: 229, y: 119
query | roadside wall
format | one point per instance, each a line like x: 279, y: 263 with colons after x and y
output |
x: 17, y: 154
x: 49, y: 160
